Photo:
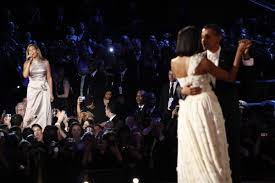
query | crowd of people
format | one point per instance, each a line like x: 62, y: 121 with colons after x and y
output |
x: 86, y: 101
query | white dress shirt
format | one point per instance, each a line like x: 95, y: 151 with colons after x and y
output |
x: 174, y: 86
x: 141, y: 107
x: 214, y: 57
x: 170, y: 100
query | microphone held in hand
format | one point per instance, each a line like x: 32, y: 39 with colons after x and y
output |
x: 29, y: 57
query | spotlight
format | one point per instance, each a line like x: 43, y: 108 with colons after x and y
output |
x: 111, y: 49
x: 18, y: 87
x: 135, y: 180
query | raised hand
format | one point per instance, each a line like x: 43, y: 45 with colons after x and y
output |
x: 52, y: 98
x: 30, y: 58
x: 244, y: 45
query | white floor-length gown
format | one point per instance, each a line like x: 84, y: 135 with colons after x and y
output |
x: 202, y: 144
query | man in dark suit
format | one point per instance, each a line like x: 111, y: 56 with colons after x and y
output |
x: 142, y: 110
x: 94, y: 84
x: 126, y: 82
x: 226, y: 92
x: 115, y: 122
x: 169, y: 98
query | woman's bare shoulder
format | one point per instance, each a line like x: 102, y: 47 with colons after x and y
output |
x: 175, y: 59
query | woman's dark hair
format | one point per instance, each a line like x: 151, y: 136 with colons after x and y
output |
x: 27, y: 132
x: 50, y: 134
x: 188, y: 41
x: 36, y: 125
x: 76, y: 123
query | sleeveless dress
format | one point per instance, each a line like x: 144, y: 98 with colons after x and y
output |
x: 202, y: 144
x: 38, y: 109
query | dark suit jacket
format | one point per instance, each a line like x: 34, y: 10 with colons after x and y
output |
x: 226, y: 91
x: 228, y: 98
x: 164, y: 97
x: 129, y: 88
x: 116, y: 123
x: 95, y: 86
x: 75, y: 84
x: 142, y: 116
x: 99, y: 111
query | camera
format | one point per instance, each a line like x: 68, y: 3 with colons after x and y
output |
x: 54, y: 111
x: 89, y: 129
x: 82, y: 98
x: 8, y: 116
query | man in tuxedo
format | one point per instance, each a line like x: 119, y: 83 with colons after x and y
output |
x: 115, y: 122
x: 226, y: 92
x: 169, y: 98
x: 141, y: 112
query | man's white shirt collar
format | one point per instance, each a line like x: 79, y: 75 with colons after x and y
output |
x: 93, y: 73
x: 141, y: 106
x: 214, y: 57
x: 174, y: 85
x: 111, y: 118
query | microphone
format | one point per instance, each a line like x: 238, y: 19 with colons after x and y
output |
x: 29, y: 57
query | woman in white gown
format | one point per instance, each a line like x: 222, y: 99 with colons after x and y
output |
x: 39, y: 91
x: 202, y: 144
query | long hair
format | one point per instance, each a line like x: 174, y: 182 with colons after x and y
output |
x: 37, y: 49
x: 188, y: 41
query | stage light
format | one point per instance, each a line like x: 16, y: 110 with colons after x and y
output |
x: 111, y: 49
x: 135, y: 180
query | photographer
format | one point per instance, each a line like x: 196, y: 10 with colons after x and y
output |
x: 85, y: 106
x: 61, y: 123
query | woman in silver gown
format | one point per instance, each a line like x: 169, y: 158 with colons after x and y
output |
x: 39, y: 91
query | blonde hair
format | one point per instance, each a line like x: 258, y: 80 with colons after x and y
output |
x: 37, y: 49
x: 17, y: 106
